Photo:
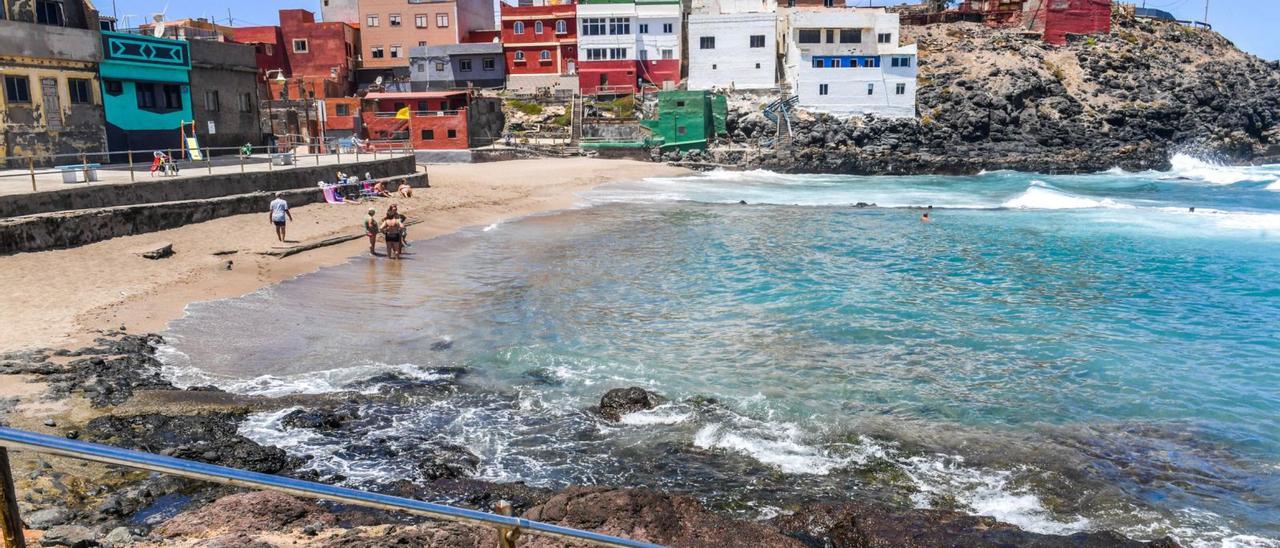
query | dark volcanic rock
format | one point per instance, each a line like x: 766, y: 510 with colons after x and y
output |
x: 209, y: 437
x: 116, y: 367
x: 863, y: 524
x: 316, y: 419
x: 620, y: 401
x: 447, y: 461
x: 75, y: 536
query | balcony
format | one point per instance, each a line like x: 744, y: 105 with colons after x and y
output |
x: 421, y: 113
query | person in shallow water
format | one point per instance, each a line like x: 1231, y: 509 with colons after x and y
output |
x: 279, y: 212
x: 371, y: 229
x: 392, y: 230
x: 925, y: 217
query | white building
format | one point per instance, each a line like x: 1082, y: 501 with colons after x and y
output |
x: 733, y: 44
x: 658, y: 30
x: 847, y: 61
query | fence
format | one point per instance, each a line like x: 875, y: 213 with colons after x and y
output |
x: 85, y: 166
x: 509, y: 528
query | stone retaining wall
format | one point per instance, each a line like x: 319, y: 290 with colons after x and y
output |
x: 193, y: 188
x: 76, y: 228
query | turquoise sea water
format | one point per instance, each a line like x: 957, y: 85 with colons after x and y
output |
x: 1062, y: 352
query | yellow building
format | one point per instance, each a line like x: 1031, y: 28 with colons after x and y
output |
x: 51, y: 103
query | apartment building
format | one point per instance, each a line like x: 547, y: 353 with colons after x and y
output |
x: 540, y: 45
x: 848, y: 61
x: 317, y: 59
x: 733, y: 44
x: 390, y: 28
x: 623, y: 44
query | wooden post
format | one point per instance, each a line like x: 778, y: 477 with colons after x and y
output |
x: 129, y: 154
x: 208, y: 161
x: 507, y: 536
x: 242, y: 163
x: 31, y: 167
x: 10, y: 521
x: 84, y: 166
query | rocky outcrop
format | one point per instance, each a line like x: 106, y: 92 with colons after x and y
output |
x: 995, y: 99
x: 107, y: 373
x: 248, y: 513
x: 205, y: 437
x: 620, y: 401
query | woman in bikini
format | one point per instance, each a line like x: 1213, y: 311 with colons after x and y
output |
x: 393, y: 231
x: 371, y: 229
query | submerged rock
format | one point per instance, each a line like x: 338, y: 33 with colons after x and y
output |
x: 316, y: 419
x: 206, y: 437
x: 620, y: 401
x: 448, y: 461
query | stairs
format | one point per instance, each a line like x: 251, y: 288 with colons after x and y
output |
x: 575, y: 131
x: 779, y: 112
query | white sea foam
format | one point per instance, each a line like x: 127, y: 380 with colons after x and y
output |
x: 663, y: 414
x: 1275, y: 185
x: 1042, y: 196
x: 1183, y: 165
x: 781, y: 448
x: 492, y: 227
x: 984, y: 492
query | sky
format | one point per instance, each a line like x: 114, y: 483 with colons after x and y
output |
x: 1248, y: 23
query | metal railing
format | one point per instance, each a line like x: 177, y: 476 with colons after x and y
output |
x: 419, y: 113
x: 84, y: 166
x: 509, y: 527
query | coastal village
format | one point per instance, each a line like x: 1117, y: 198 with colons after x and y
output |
x: 446, y: 77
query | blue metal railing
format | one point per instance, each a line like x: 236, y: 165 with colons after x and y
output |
x: 23, y: 440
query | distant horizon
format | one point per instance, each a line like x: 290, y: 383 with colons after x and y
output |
x: 1245, y: 22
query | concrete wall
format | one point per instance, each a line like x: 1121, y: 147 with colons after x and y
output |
x: 733, y: 63
x: 192, y: 188
x: 485, y: 121
x: 229, y: 70
x: 613, y: 131
x: 76, y: 228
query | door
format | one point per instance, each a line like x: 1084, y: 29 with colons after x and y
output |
x: 573, y: 67
x: 52, y: 107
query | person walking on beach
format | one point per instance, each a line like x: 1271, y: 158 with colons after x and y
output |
x: 279, y: 214
x: 371, y: 229
x: 392, y: 231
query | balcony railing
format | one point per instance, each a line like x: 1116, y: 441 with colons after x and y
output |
x: 421, y: 113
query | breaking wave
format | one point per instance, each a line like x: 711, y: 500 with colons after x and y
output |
x: 1042, y: 196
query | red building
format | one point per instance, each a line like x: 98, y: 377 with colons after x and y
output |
x: 317, y: 59
x: 1054, y: 18
x: 437, y: 119
x: 540, y: 42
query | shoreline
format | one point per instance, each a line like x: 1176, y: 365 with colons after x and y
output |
x: 58, y: 305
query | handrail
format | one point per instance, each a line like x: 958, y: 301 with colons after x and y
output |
x: 31, y: 441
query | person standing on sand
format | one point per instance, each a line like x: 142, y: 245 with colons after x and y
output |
x: 392, y: 229
x: 371, y: 229
x: 279, y: 213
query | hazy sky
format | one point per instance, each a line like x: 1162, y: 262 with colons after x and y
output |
x: 1248, y: 23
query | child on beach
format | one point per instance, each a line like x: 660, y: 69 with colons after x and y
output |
x: 371, y: 229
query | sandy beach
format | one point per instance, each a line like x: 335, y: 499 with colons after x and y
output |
x: 61, y: 298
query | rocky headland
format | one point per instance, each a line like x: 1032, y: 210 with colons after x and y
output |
x: 113, y: 393
x: 993, y: 99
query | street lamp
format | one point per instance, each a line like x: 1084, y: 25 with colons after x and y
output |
x: 280, y: 81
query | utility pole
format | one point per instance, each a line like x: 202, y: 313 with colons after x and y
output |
x: 1206, y: 12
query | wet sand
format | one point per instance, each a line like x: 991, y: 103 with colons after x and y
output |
x: 62, y: 298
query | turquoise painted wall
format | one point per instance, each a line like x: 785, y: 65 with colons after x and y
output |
x: 130, y: 59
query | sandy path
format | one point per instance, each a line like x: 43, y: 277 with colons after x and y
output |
x: 57, y: 298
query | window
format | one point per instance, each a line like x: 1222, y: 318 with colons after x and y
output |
x: 596, y: 54
x: 666, y: 28
x: 617, y: 53
x: 545, y: 55
x: 713, y: 66
x: 828, y: 3
x: 342, y: 109
x: 561, y: 27
x: 681, y: 130
x: 375, y: 52
x: 395, y: 52
x: 464, y: 65
x: 453, y: 134
x: 884, y: 37
x: 49, y: 13
x: 537, y: 27
x: 146, y: 95
x: 644, y: 28
x: 442, y: 20
x: 439, y: 66
x: 488, y: 63
x: 269, y: 49
x: 246, y: 103
x: 393, y: 19
x: 423, y: 106
x: 900, y: 62
x: 519, y: 56
x: 831, y: 36
x: 428, y: 135
x: 817, y: 62
x: 78, y: 88
x: 211, y: 100
x: 822, y: 89
x: 707, y: 42
x: 809, y: 36
x: 757, y: 40
x: 871, y: 89
x: 371, y: 20
x: 850, y: 36
x: 668, y: 54
x: 17, y: 89
x: 619, y: 25
x: 300, y: 45
x: 113, y: 87
x: 757, y: 65
x: 593, y: 26
x: 900, y: 89
x: 420, y: 21
x: 518, y: 28
x: 398, y: 106
x: 172, y: 96
x: 644, y: 54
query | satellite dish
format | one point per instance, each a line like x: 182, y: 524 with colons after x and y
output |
x: 377, y: 81
x: 158, y: 29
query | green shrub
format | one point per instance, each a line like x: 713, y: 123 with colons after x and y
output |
x: 532, y: 109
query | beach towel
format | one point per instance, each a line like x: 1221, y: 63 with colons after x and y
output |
x: 331, y: 196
